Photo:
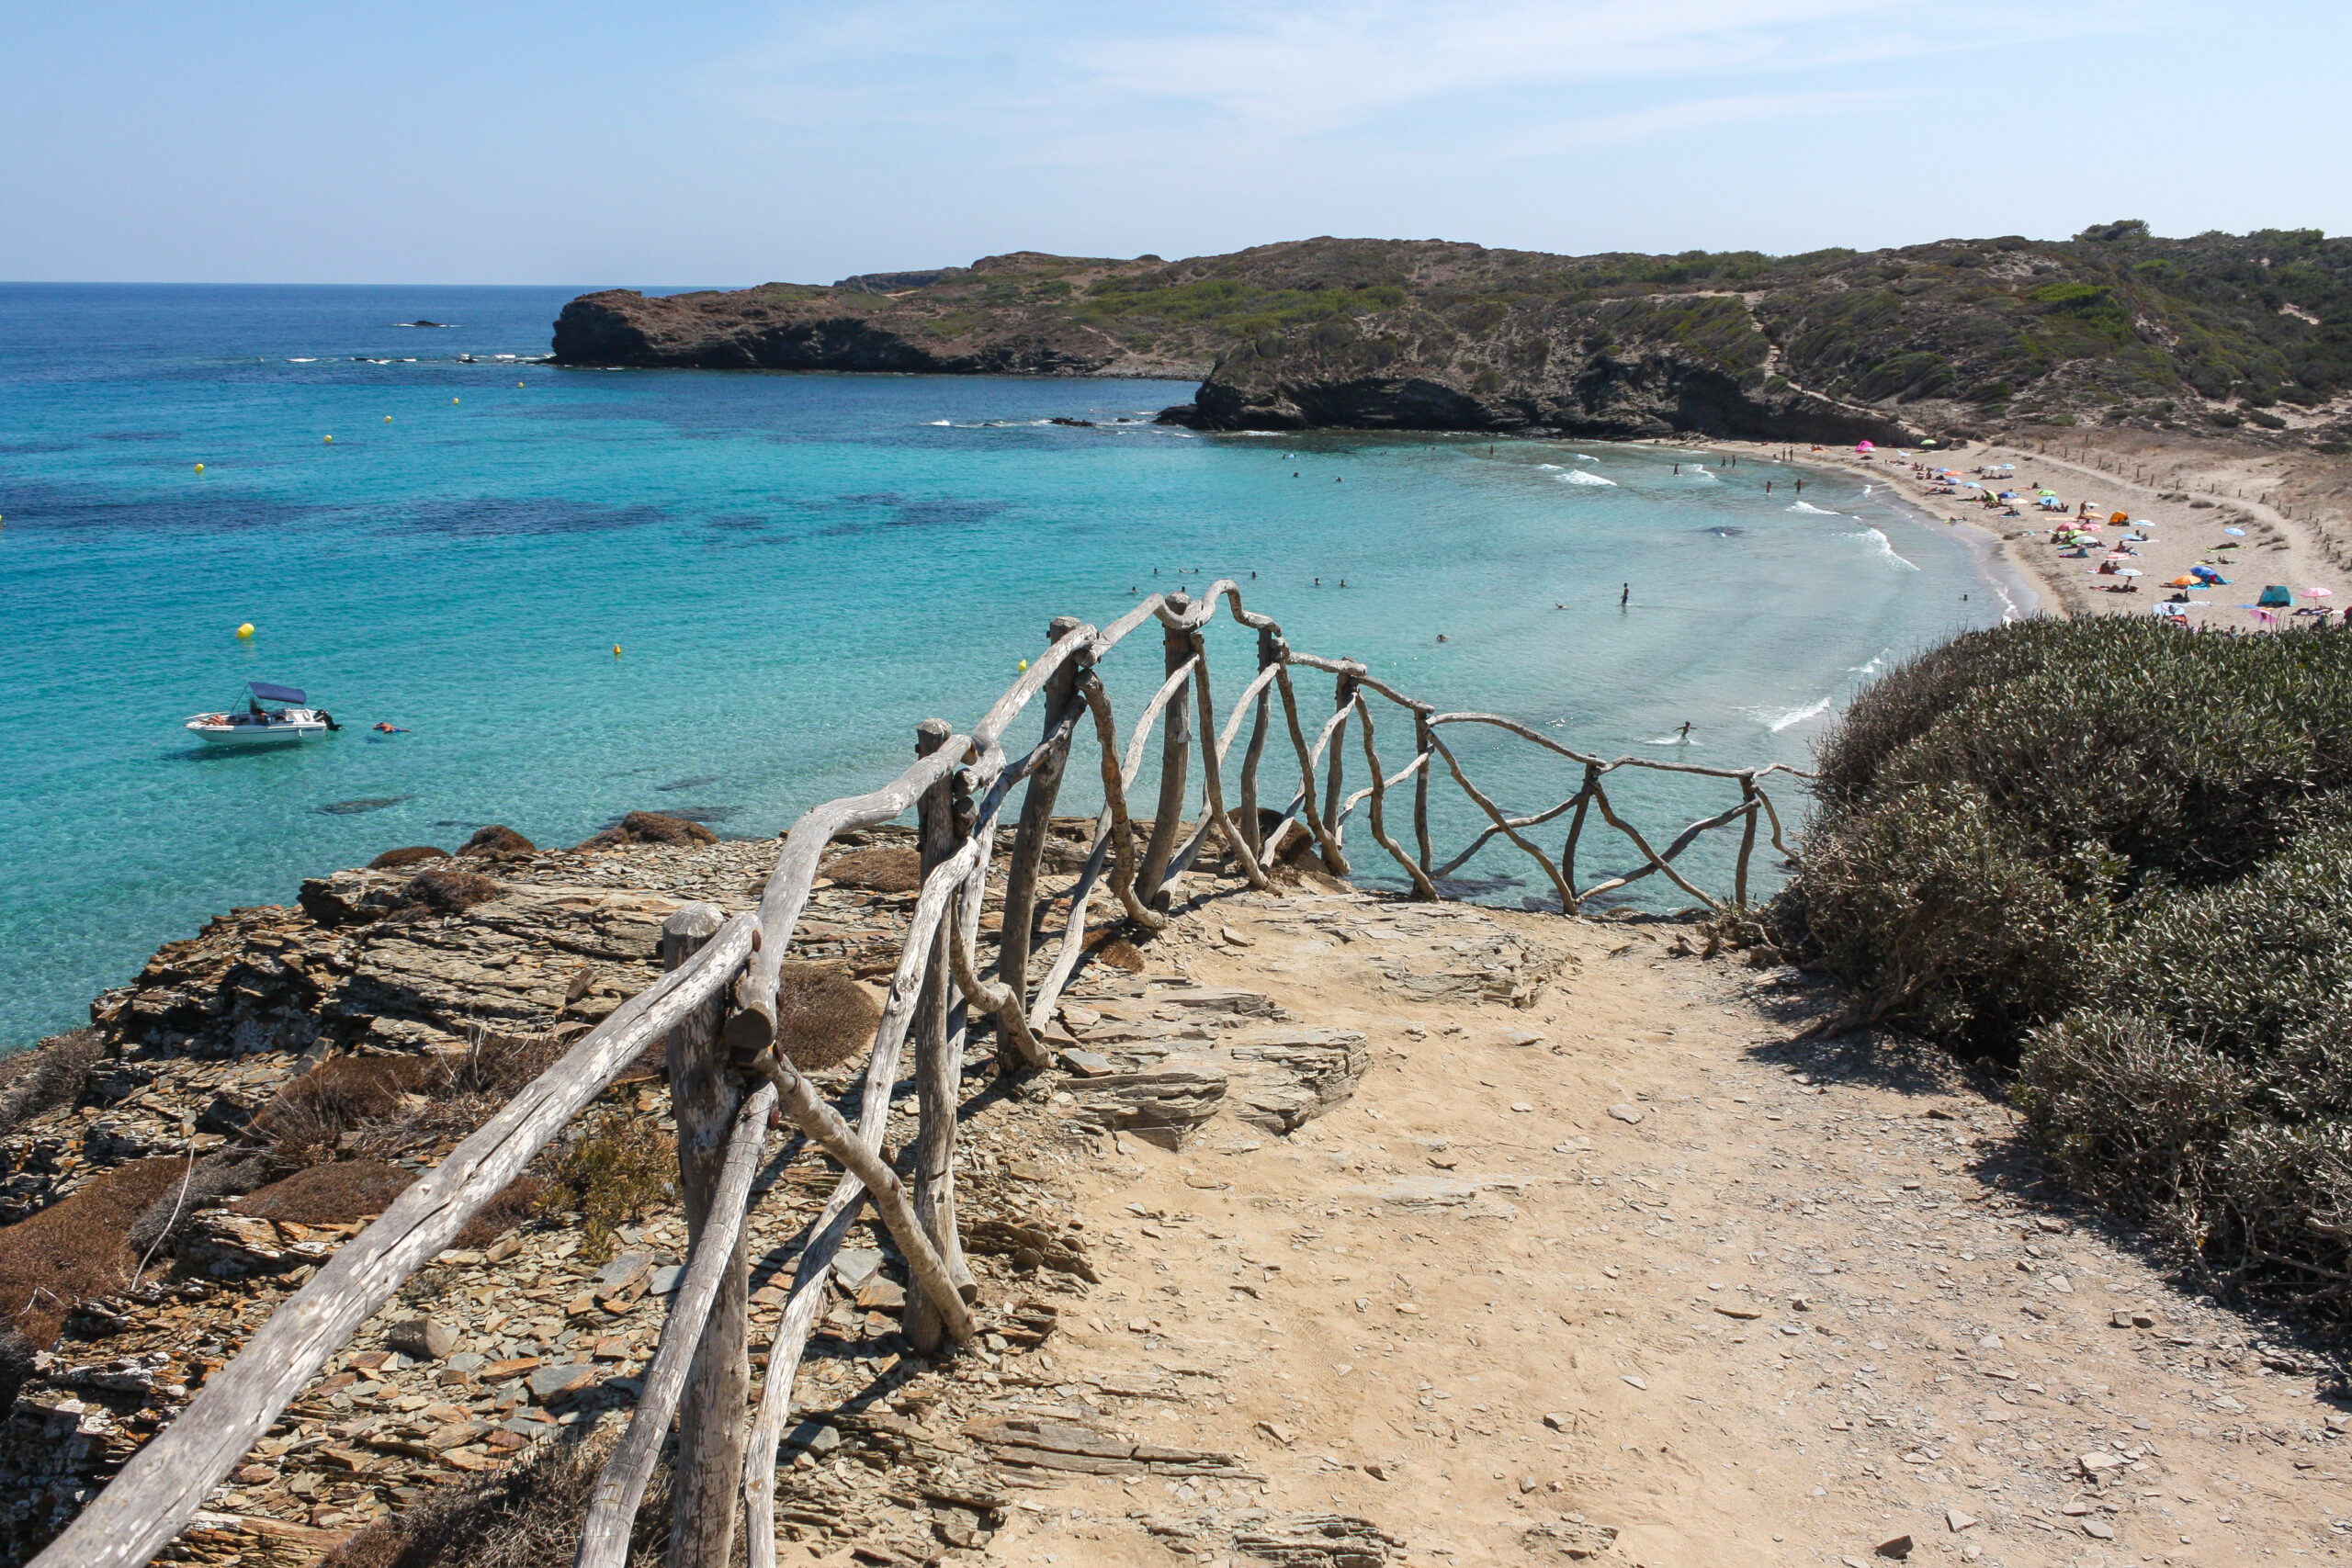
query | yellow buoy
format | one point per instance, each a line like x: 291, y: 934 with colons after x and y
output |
x: 453, y: 400
x: 330, y: 440
x: 1024, y: 666
x: 616, y: 650
x: 199, y: 468
x: 519, y: 385
x: 245, y: 630
x: 387, y: 419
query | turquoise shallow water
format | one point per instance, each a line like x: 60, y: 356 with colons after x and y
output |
x: 796, y: 568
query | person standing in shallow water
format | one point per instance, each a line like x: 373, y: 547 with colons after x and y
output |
x: 1627, y: 597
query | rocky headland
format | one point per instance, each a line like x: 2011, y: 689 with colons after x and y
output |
x: 2245, y: 336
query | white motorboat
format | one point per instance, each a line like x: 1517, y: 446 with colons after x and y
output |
x: 258, y: 723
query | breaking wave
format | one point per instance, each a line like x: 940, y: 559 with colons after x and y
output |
x: 1578, y: 477
x: 1779, y: 722
x: 1881, y: 545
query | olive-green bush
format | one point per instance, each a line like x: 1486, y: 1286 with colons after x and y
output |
x: 2119, y: 856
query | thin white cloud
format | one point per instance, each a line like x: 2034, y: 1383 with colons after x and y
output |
x: 1320, y: 68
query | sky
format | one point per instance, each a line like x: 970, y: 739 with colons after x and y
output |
x: 731, y: 142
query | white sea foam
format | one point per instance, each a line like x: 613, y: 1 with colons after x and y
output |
x: 312, y: 360
x: 1797, y: 715
x: 1578, y: 477
x: 1809, y: 508
x: 1881, y: 545
x: 1582, y: 458
x: 1877, y: 663
x: 1547, y: 464
x: 947, y: 421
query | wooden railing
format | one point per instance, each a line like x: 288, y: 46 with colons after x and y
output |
x: 714, y: 1010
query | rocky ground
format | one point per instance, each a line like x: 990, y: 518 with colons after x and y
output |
x: 1353, y: 1232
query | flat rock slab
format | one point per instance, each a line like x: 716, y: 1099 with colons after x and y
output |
x: 1045, y: 1443
x: 1166, y: 1104
x: 1219, y: 998
x: 1475, y: 964
x: 854, y: 1267
x: 1295, y: 1077
x: 1277, y: 1082
x: 554, y: 1383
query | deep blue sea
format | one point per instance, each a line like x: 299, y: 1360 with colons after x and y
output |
x: 794, y: 569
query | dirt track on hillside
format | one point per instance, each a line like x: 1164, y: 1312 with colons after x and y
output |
x: 1629, y: 1273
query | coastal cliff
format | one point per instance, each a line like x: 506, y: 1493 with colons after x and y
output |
x: 2249, y: 335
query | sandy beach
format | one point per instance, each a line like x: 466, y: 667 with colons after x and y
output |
x: 2183, y: 496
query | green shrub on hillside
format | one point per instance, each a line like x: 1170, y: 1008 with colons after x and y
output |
x: 2207, y: 1082
x: 2119, y: 855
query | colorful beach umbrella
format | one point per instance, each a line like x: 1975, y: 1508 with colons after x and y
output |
x: 2317, y: 593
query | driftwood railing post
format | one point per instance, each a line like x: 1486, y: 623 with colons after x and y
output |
x: 1747, y: 841
x: 938, y: 1061
x: 1029, y: 839
x: 705, y: 1095
x: 1175, y: 755
x: 1318, y: 827
x: 1343, y: 699
x: 1422, y: 748
x: 1270, y: 653
x: 1576, y: 829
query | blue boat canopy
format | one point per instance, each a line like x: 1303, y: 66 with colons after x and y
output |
x: 270, y: 693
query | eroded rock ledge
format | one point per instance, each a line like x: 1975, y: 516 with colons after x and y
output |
x: 529, y: 1336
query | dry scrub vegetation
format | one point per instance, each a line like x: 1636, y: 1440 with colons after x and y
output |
x: 322, y: 1152
x: 622, y: 1168
x: 526, y: 1516
x: 2119, y: 857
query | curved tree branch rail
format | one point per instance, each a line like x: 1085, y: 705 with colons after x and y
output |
x: 729, y: 1067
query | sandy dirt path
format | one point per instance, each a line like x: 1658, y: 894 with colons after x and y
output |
x: 1627, y: 1273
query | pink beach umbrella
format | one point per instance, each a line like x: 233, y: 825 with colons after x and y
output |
x: 1864, y: 446
x: 2317, y: 593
